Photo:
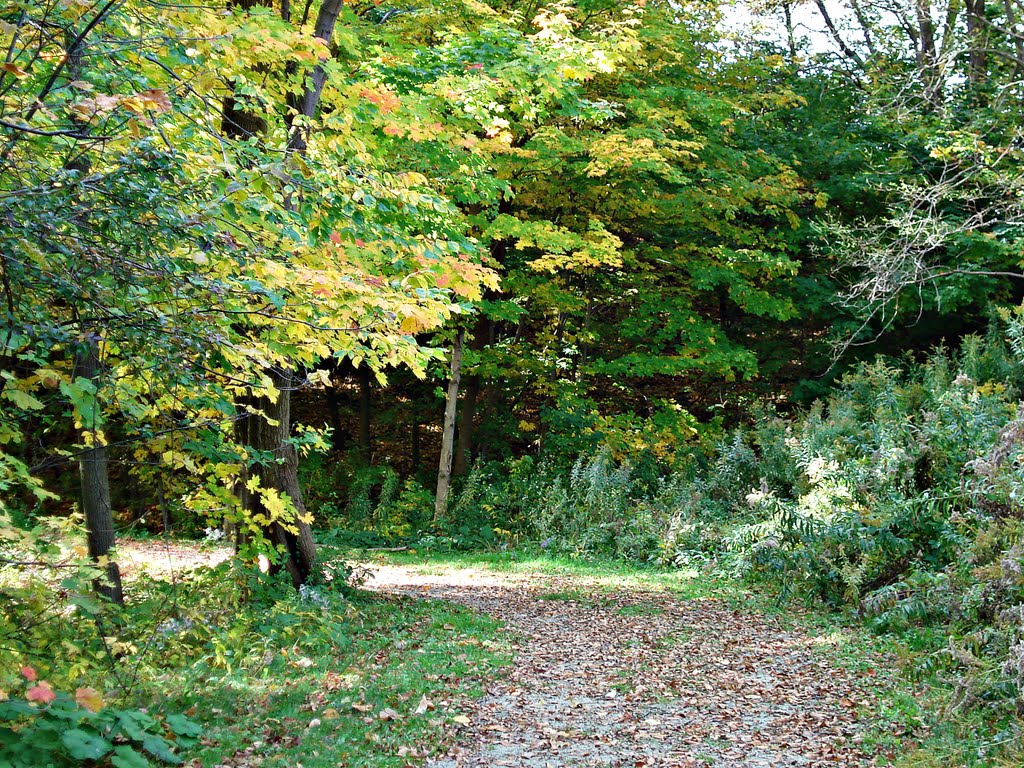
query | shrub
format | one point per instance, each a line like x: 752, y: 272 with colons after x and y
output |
x: 43, y: 726
x: 899, y: 496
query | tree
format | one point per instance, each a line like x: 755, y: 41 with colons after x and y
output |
x: 448, y: 431
x: 213, y: 270
x: 921, y: 213
x: 634, y: 232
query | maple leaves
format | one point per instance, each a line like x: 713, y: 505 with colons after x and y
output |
x: 153, y: 101
x: 50, y: 727
x: 231, y: 256
x: 89, y: 698
x: 41, y: 692
x: 385, y: 100
x: 561, y: 249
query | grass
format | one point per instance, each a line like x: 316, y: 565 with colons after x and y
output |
x: 358, y: 707
x: 368, y: 681
x: 640, y: 610
x: 352, y: 681
x: 599, y: 576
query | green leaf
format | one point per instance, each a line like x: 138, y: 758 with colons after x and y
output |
x: 133, y: 724
x: 11, y: 708
x: 160, y: 749
x: 182, y: 726
x: 83, y: 745
x: 23, y: 400
x: 126, y: 757
x: 87, y: 603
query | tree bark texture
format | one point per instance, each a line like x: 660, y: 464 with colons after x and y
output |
x: 93, y: 468
x: 787, y: 13
x: 977, y: 43
x: 444, y: 470
x: 928, y: 54
x: 94, y: 462
x: 279, y: 473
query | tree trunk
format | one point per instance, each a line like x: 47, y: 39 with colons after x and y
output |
x: 787, y: 14
x: 94, y: 462
x: 865, y: 25
x: 849, y: 52
x: 977, y: 70
x: 93, y: 468
x: 282, y: 474
x: 279, y: 474
x: 927, y: 54
x: 448, y: 432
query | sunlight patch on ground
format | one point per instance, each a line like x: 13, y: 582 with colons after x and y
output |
x: 165, y: 560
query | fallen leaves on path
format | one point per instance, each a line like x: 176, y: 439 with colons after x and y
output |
x: 163, y: 559
x: 642, y: 678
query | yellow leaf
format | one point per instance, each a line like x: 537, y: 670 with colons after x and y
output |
x: 14, y: 69
x: 154, y: 100
x: 133, y: 104
x: 89, y: 698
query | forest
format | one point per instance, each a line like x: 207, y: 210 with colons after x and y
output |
x: 690, y: 320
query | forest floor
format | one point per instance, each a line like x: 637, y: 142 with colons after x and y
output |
x: 510, y: 660
x: 613, y: 670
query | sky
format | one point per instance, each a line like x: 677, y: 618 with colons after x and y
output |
x: 807, y: 22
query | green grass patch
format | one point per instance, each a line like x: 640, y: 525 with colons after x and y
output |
x: 641, y: 609
x: 327, y: 680
x: 598, y: 575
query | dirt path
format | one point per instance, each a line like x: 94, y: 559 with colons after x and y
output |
x: 643, y: 678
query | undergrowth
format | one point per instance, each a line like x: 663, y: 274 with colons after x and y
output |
x: 232, y: 666
x: 896, y: 500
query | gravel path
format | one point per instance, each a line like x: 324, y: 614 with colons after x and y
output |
x: 644, y: 678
